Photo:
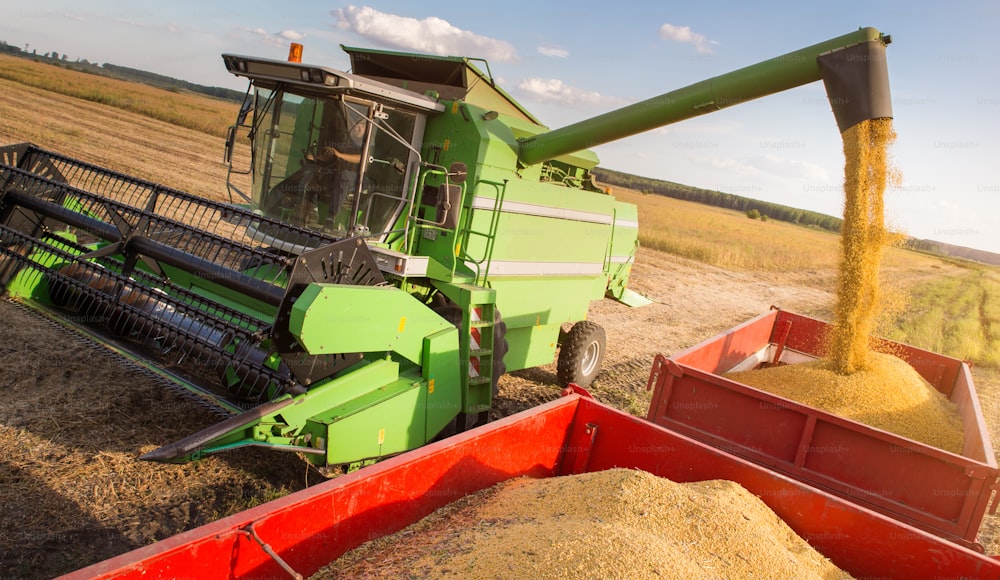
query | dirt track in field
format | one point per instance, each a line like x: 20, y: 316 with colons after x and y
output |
x: 72, y: 421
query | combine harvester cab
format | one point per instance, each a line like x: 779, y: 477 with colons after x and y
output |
x: 411, y: 234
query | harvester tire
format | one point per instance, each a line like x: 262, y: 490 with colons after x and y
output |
x: 581, y: 354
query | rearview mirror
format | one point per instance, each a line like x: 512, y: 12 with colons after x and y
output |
x: 227, y: 157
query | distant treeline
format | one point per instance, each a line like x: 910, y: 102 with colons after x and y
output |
x: 124, y: 73
x: 718, y: 199
x: 943, y: 249
x: 774, y: 211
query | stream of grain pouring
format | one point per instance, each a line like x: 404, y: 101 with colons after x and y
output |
x: 863, y: 239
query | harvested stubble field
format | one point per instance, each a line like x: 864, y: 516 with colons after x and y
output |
x: 72, y: 421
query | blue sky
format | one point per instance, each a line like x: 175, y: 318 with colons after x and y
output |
x: 569, y: 61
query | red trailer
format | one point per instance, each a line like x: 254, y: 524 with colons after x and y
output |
x: 944, y: 493
x: 302, y: 532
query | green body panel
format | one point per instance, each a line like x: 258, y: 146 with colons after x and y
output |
x: 338, y: 319
x: 441, y: 374
x: 533, y: 328
x: 389, y: 422
x: 371, y: 411
x: 31, y: 284
x: 622, y: 254
x: 532, y: 239
x: 301, y: 424
x: 634, y: 299
x: 382, y: 413
x: 531, y: 346
x: 465, y: 295
x: 220, y: 294
x: 346, y: 394
x: 531, y: 302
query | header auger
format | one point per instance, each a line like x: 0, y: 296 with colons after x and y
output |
x: 411, y: 234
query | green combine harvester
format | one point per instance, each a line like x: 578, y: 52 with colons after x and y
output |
x: 412, y: 233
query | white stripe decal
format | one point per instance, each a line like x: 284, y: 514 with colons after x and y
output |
x: 543, y: 211
x: 555, y: 212
x: 502, y: 268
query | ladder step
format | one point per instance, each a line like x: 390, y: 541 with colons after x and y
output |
x: 480, y: 352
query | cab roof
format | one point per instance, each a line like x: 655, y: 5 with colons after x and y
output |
x: 452, y: 77
x: 268, y: 73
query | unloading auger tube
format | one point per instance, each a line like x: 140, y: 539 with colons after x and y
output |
x: 853, y: 69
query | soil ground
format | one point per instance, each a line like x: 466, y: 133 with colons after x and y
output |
x: 73, y: 419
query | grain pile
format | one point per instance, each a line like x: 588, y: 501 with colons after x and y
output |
x: 888, y: 394
x: 618, y: 523
x: 863, y: 238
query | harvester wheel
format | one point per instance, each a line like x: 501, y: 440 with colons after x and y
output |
x: 581, y: 354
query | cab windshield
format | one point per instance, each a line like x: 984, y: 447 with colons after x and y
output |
x: 332, y: 164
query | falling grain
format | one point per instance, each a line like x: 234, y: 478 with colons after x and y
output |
x: 863, y: 239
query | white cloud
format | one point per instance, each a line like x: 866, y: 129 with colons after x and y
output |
x: 556, y: 91
x: 795, y: 169
x: 553, y: 51
x: 276, y: 39
x: 740, y: 167
x: 73, y: 16
x: 686, y: 35
x: 172, y: 27
x: 769, y: 166
x: 431, y: 35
